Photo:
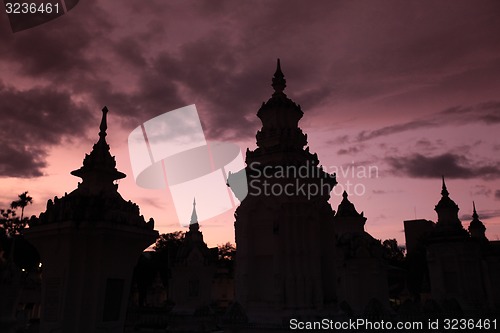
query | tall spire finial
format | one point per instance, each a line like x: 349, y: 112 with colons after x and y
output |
x: 279, y: 82
x: 193, y: 225
x: 474, y: 214
x: 444, y: 191
x: 104, y: 125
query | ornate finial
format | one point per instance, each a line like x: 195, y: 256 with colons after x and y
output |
x: 104, y: 126
x: 193, y: 225
x: 474, y: 214
x: 279, y: 82
x: 477, y: 228
x: 444, y: 191
x: 344, y: 195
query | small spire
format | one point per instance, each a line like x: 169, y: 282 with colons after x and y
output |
x: 104, y: 125
x: 474, y: 214
x: 279, y: 82
x: 193, y: 225
x: 444, y: 191
x: 99, y: 162
x: 476, y: 227
x: 344, y: 195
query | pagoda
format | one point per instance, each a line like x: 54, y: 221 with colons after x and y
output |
x: 283, y: 229
x: 476, y: 228
x: 448, y: 226
x: 89, y: 242
x: 455, y: 261
x: 193, y: 271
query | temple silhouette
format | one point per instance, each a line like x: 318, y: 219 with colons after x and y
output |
x: 89, y: 241
x: 296, y: 257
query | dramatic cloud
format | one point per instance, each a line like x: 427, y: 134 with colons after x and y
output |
x: 350, y: 150
x: 487, y: 113
x: 394, y: 129
x: 481, y: 190
x: 33, y: 121
x: 497, y: 194
x: 413, y: 84
x: 449, y: 165
x: 20, y: 161
x: 483, y: 214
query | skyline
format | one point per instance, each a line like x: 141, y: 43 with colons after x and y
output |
x: 437, y: 62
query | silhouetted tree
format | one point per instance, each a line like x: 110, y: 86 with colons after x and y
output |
x: 166, y: 248
x: 144, y: 273
x: 226, y: 251
x: 158, y: 261
x: 9, y: 222
x: 226, y: 256
x: 12, y: 242
x: 23, y: 201
x: 168, y: 242
x: 396, y: 273
x: 392, y: 251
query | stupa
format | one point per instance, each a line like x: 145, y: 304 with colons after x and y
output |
x: 89, y: 241
x: 283, y: 228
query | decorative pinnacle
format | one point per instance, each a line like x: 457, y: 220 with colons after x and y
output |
x: 104, y: 126
x: 444, y: 191
x: 193, y: 225
x: 279, y: 82
x: 474, y: 214
x: 344, y: 195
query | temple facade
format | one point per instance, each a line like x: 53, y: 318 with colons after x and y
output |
x: 193, y: 271
x: 89, y: 241
x: 286, y: 258
x: 462, y: 266
x: 361, y: 282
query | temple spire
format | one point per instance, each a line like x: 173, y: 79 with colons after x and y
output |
x: 104, y: 125
x: 474, y: 213
x: 444, y: 191
x: 99, y: 167
x: 476, y: 227
x: 193, y: 225
x: 279, y: 82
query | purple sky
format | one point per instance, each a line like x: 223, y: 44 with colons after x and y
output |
x: 409, y: 87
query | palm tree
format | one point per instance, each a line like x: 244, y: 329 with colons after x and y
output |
x: 24, y: 200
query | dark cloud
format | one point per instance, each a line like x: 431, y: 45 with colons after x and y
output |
x: 497, y: 194
x: 350, y: 150
x: 428, y: 146
x: 483, y: 214
x: 17, y: 160
x: 385, y: 191
x: 342, y: 139
x: 145, y: 60
x: 487, y: 113
x: 32, y: 122
x: 481, y: 190
x: 448, y: 164
x: 379, y: 192
x: 395, y: 129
